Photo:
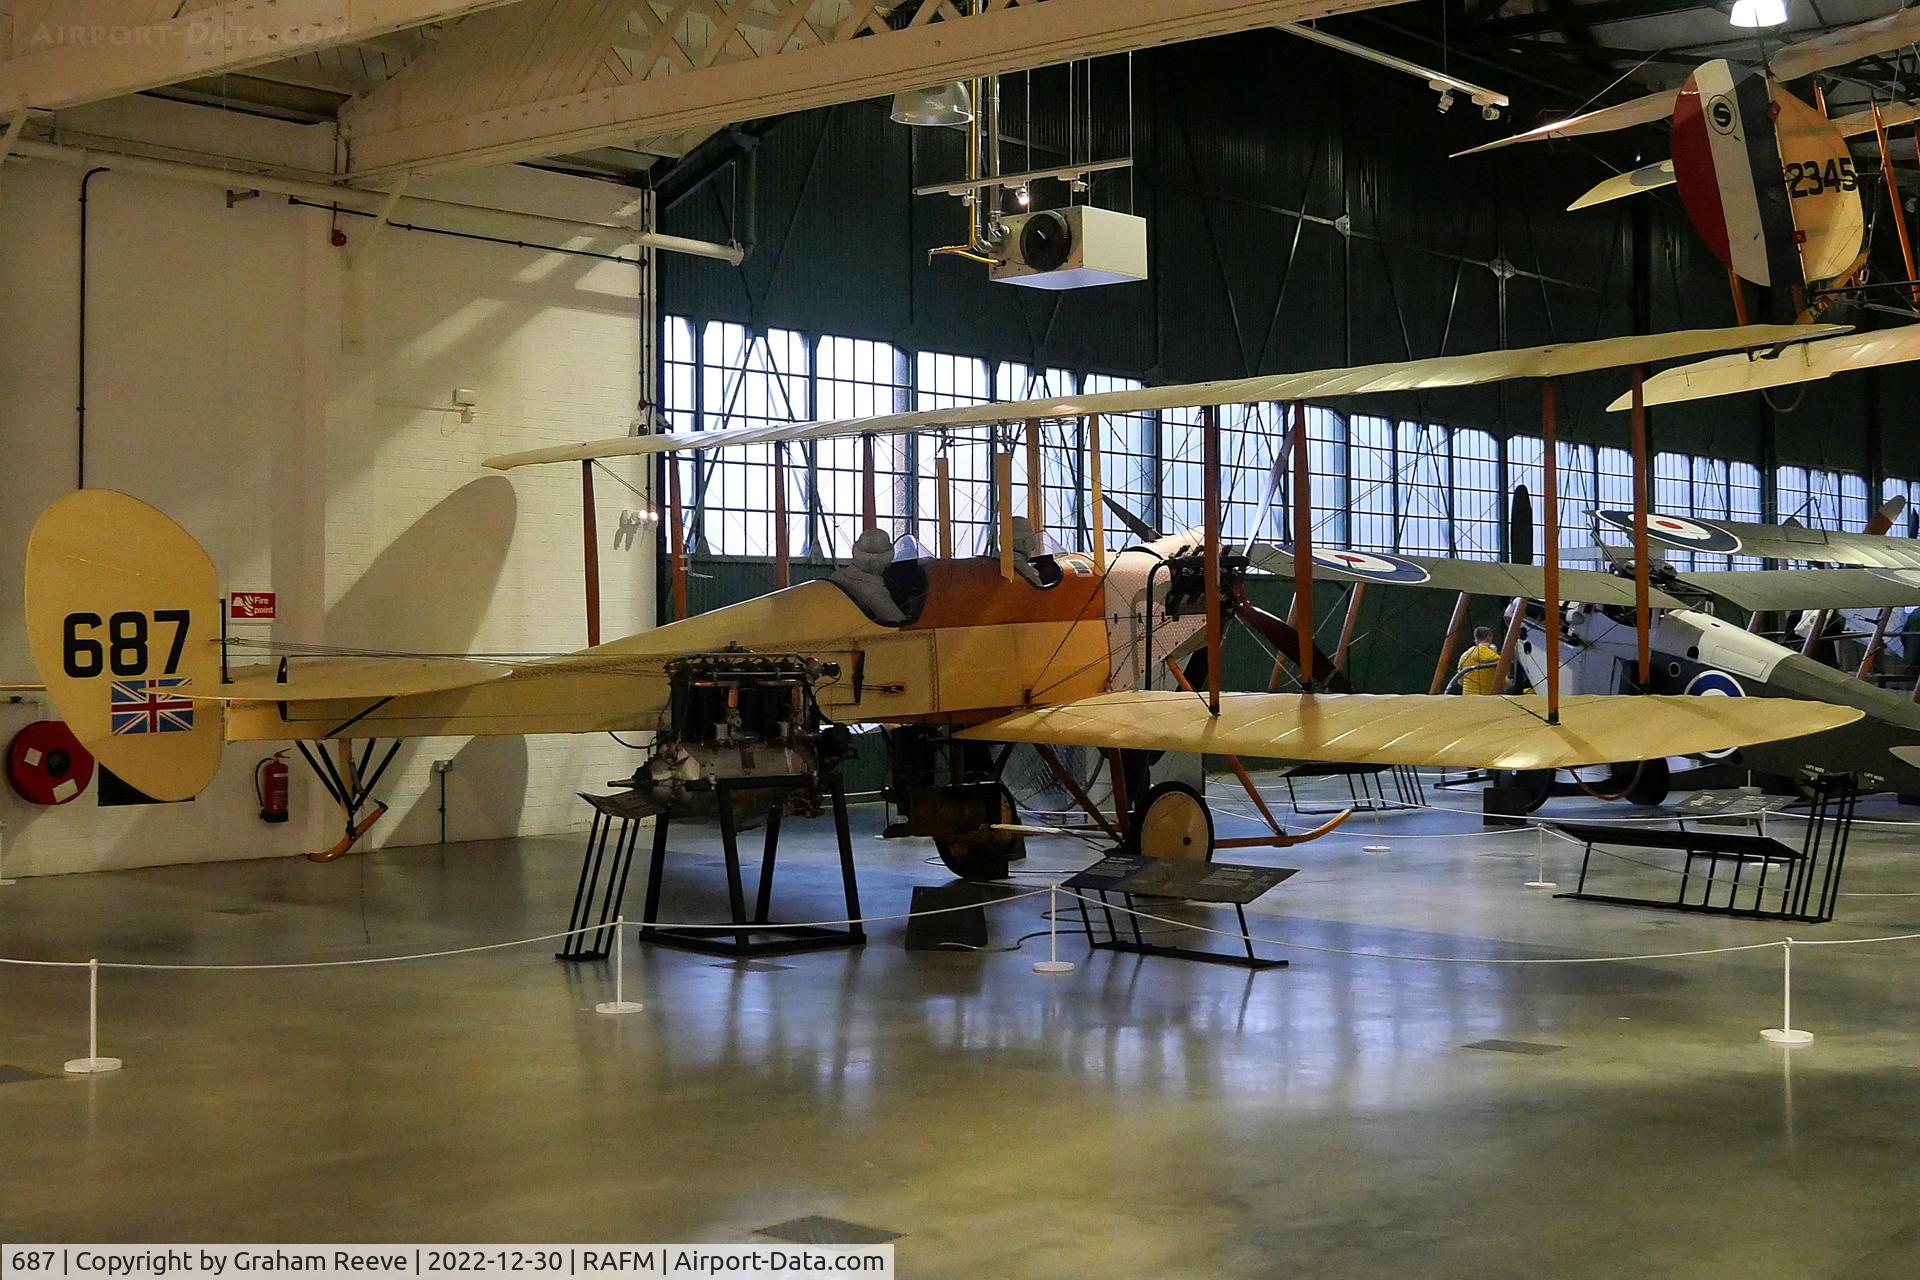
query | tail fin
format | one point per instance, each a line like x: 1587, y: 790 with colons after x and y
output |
x: 122, y: 617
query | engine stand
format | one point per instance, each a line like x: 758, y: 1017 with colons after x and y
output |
x: 788, y: 938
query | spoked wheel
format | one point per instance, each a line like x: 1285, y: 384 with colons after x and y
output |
x: 1173, y: 821
x: 984, y: 853
x: 1650, y: 784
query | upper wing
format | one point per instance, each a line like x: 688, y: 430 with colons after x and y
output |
x: 1846, y: 44
x: 1652, y: 177
x: 1773, y: 541
x: 1621, y: 115
x: 1416, y: 729
x: 1761, y: 590
x: 1802, y: 362
x: 1475, y: 577
x: 1405, y: 375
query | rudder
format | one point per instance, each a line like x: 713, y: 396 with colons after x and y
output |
x: 122, y: 618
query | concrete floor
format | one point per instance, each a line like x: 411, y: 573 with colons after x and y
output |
x: 1140, y: 1117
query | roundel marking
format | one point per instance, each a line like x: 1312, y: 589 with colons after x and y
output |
x: 1372, y: 566
x: 1905, y: 577
x: 1715, y: 684
x: 1678, y: 531
x: 1720, y: 114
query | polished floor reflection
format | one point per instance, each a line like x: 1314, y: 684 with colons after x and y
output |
x: 1350, y: 1116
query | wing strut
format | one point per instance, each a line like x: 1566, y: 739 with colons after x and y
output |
x: 1210, y: 464
x: 590, y: 545
x: 1893, y: 194
x: 676, y: 540
x: 1303, y: 548
x: 1643, y: 613
x: 782, y: 553
x: 1550, y: 458
x: 1096, y: 509
x: 1448, y: 646
x: 943, y: 502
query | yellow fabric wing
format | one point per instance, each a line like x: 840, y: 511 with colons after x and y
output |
x: 1483, y: 733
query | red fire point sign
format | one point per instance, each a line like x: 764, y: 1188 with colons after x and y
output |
x: 251, y: 606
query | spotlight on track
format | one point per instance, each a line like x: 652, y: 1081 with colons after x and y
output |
x: 1446, y: 102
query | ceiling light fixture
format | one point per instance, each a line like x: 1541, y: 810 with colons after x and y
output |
x: 942, y: 106
x: 1758, y: 13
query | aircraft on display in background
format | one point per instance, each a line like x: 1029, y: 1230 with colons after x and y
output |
x: 957, y: 657
x: 1769, y: 182
x: 1766, y: 177
x: 1694, y: 651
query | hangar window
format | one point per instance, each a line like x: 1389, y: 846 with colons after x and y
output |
x: 855, y: 378
x: 1821, y: 499
x: 1371, y: 475
x: 1478, y: 496
x: 1417, y: 487
x: 1129, y: 443
x: 1910, y: 490
x: 1180, y: 493
x: 1327, y: 457
x: 1062, y: 451
x: 746, y: 379
x: 942, y: 381
x: 1424, y: 524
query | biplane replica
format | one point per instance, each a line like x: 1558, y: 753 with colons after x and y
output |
x: 957, y: 658
x: 1769, y: 182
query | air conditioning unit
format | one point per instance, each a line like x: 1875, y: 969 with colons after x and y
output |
x: 1071, y: 248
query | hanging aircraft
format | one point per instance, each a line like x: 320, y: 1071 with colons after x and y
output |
x: 958, y: 658
x: 1766, y: 178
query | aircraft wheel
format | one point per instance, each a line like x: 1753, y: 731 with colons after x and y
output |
x: 1651, y: 785
x: 1173, y: 821
x: 983, y: 854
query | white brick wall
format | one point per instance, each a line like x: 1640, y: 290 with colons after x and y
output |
x: 289, y: 418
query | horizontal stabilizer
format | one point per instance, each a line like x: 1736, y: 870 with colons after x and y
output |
x: 1418, y: 729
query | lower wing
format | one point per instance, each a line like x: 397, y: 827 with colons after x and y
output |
x: 1417, y: 729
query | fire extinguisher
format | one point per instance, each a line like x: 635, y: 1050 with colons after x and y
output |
x: 270, y: 787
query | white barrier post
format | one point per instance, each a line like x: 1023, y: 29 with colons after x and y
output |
x: 1786, y: 1033
x: 93, y: 1064
x: 1378, y: 845
x: 1540, y: 880
x: 619, y: 1003
x: 1053, y: 963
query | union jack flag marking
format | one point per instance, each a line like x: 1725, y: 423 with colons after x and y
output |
x: 151, y: 706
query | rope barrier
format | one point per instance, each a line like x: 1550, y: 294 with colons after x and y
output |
x: 728, y: 927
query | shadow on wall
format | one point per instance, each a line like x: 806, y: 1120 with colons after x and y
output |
x: 486, y: 788
x: 432, y: 586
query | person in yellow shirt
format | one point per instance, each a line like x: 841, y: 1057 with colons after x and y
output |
x: 1477, y: 664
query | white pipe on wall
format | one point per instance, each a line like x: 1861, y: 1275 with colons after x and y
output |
x: 359, y: 199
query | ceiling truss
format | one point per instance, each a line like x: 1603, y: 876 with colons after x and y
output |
x: 547, y: 76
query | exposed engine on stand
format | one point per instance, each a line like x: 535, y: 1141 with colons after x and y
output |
x: 737, y: 715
